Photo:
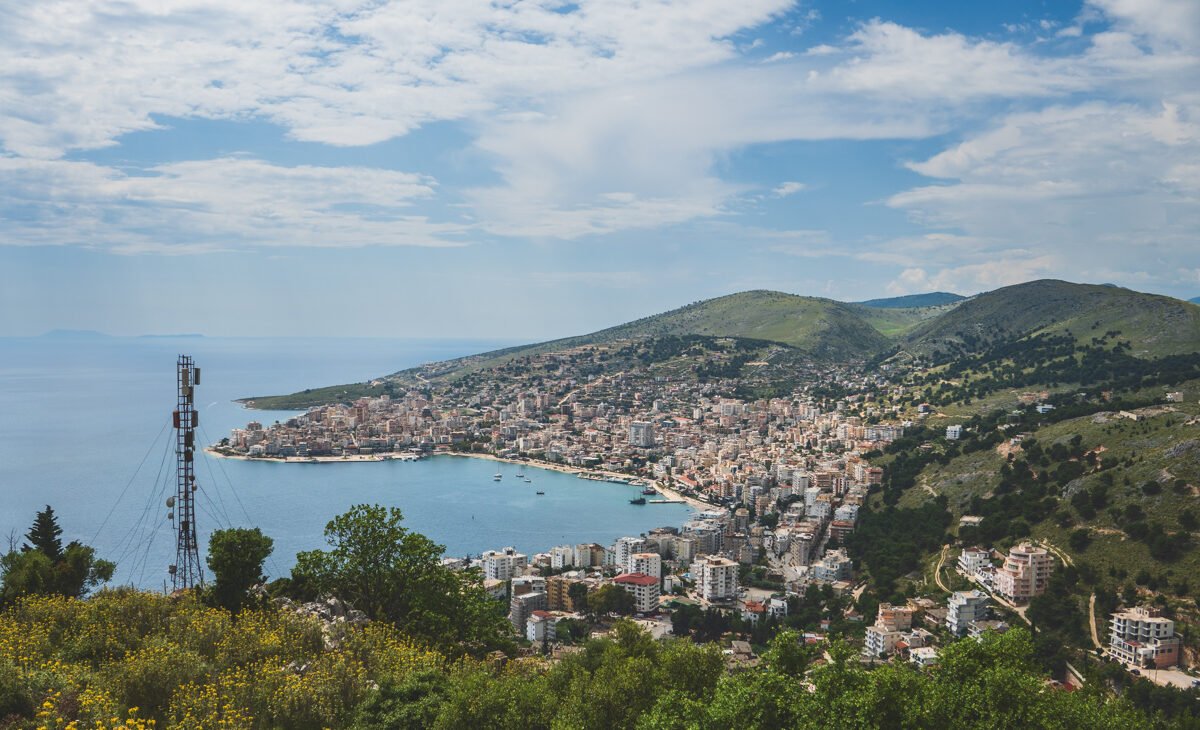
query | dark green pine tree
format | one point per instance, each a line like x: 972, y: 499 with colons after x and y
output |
x: 44, y: 535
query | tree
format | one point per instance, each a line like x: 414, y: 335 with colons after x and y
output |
x: 578, y: 593
x: 396, y: 575
x: 44, y: 567
x: 611, y: 599
x: 236, y: 557
x: 44, y: 535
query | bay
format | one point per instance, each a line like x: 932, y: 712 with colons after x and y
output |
x: 78, y: 415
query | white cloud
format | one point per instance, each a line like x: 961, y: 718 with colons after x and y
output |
x: 789, y: 188
x: 974, y: 278
x: 1107, y: 187
x: 346, y: 73
x: 221, y: 204
x: 598, y: 117
x: 1164, y: 22
x: 779, y: 56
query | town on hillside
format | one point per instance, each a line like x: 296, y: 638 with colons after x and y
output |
x: 780, y: 485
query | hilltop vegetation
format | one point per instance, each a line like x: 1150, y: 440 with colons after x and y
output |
x: 126, y: 658
x: 932, y: 299
x: 932, y: 328
x: 417, y: 657
x: 1152, y: 325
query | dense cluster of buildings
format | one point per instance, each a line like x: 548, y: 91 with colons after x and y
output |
x: 785, y: 477
x: 783, y: 480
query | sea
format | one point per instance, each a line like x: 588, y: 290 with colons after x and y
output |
x: 85, y: 427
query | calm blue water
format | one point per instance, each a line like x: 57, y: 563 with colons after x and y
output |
x: 77, y: 416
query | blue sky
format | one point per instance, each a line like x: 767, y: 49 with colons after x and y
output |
x: 528, y: 169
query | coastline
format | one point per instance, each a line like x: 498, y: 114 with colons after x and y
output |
x: 666, y: 492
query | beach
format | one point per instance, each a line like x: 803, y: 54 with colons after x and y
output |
x: 666, y: 492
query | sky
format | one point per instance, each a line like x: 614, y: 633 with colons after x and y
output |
x: 540, y: 168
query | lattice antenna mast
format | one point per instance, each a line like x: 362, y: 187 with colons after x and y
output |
x: 185, y: 572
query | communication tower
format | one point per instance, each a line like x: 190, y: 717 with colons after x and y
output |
x: 185, y: 571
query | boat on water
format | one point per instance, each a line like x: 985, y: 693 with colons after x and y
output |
x: 497, y: 477
x: 540, y: 492
x: 639, y: 500
x: 528, y: 480
x: 649, y: 491
x: 520, y: 474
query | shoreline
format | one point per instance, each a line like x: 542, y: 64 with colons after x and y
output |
x: 668, y: 493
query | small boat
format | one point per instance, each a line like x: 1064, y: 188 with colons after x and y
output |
x: 541, y: 492
x: 639, y: 500
x: 520, y: 474
x: 496, y: 477
x: 649, y: 491
x: 528, y: 480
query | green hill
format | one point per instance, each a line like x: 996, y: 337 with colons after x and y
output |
x: 821, y: 327
x: 818, y: 328
x: 932, y: 299
x: 835, y: 332
x: 1153, y: 325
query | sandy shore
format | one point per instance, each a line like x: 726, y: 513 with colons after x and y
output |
x: 300, y: 459
x: 666, y: 492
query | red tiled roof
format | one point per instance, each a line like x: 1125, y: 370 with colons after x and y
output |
x: 637, y: 579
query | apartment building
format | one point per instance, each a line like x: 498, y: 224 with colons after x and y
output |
x: 646, y: 564
x: 716, y: 578
x: 964, y: 608
x: 503, y: 564
x: 643, y: 588
x: 1143, y: 636
x: 1026, y: 573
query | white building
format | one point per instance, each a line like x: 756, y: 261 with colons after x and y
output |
x: 833, y: 567
x: 716, y: 578
x: 953, y: 433
x: 643, y: 588
x: 625, y: 547
x: 880, y: 642
x: 890, y: 624
x: 641, y: 435
x: 541, y: 626
x: 645, y: 563
x: 503, y: 564
x: 777, y: 607
x: 963, y: 608
x: 562, y: 556
x: 972, y: 559
x: 1142, y: 636
x: 924, y: 656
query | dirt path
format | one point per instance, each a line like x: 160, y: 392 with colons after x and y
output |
x: 1092, y: 621
x: 1067, y: 559
x: 937, y: 572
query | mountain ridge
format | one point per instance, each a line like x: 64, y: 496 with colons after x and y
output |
x: 833, y: 332
x: 907, y: 301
